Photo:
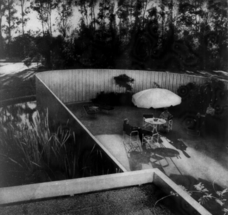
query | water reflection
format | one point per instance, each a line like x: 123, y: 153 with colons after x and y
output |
x: 28, y: 144
x: 18, y: 114
x: 13, y: 119
x: 32, y: 151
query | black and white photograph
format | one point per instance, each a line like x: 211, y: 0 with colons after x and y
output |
x: 114, y: 107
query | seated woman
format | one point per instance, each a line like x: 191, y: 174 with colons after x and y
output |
x: 166, y: 115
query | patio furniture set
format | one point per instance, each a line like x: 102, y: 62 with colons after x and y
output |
x: 144, y: 143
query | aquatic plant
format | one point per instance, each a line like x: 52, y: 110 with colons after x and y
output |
x: 52, y: 154
x: 47, y: 152
x: 95, y: 162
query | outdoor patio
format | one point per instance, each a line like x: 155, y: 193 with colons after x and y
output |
x: 80, y: 83
x: 69, y: 99
x: 107, y: 127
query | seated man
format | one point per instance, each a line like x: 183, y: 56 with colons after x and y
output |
x: 166, y: 115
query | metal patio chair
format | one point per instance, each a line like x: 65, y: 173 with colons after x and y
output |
x: 145, y: 124
x: 148, y: 138
x: 150, y: 141
x: 131, y: 137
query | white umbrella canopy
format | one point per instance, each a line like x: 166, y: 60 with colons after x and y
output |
x: 155, y: 98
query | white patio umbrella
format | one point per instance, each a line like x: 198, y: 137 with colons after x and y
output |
x: 155, y: 98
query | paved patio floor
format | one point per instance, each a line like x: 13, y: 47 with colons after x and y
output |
x: 202, y: 163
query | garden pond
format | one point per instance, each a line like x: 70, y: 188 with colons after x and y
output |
x: 32, y: 151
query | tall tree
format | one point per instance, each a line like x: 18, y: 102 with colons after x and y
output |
x: 24, y: 10
x: 65, y: 11
x: 92, y: 4
x: 11, y: 21
x: 44, y: 9
x: 2, y: 12
x: 83, y: 9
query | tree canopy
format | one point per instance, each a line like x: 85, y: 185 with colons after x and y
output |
x: 132, y: 34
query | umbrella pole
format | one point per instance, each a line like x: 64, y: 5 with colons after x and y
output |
x: 153, y: 110
x: 156, y: 112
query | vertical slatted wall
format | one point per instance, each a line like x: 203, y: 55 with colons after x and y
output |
x: 83, y: 84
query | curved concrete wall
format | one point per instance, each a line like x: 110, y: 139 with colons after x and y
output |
x: 83, y: 84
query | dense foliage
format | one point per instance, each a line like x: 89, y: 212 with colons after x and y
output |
x: 154, y: 35
x: 197, y: 99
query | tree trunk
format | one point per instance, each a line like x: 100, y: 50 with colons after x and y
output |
x: 163, y: 16
x: 22, y: 17
x: 9, y: 29
x: 50, y: 23
x: 1, y: 39
x: 172, y: 11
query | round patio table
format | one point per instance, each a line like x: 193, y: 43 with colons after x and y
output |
x: 155, y: 122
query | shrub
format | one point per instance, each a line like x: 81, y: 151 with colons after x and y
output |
x: 113, y: 99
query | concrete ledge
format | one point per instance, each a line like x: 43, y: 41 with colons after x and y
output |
x: 74, y: 186
x: 97, y: 183
x: 17, y: 100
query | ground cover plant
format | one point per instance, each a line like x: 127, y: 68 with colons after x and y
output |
x: 210, y: 195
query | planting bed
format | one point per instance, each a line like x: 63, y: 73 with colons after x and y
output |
x: 132, y: 200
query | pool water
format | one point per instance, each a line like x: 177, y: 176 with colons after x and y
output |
x: 32, y: 151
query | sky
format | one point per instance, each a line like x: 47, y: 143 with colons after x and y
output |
x: 34, y: 24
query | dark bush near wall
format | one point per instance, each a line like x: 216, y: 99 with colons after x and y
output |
x: 113, y: 99
x: 117, y: 99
